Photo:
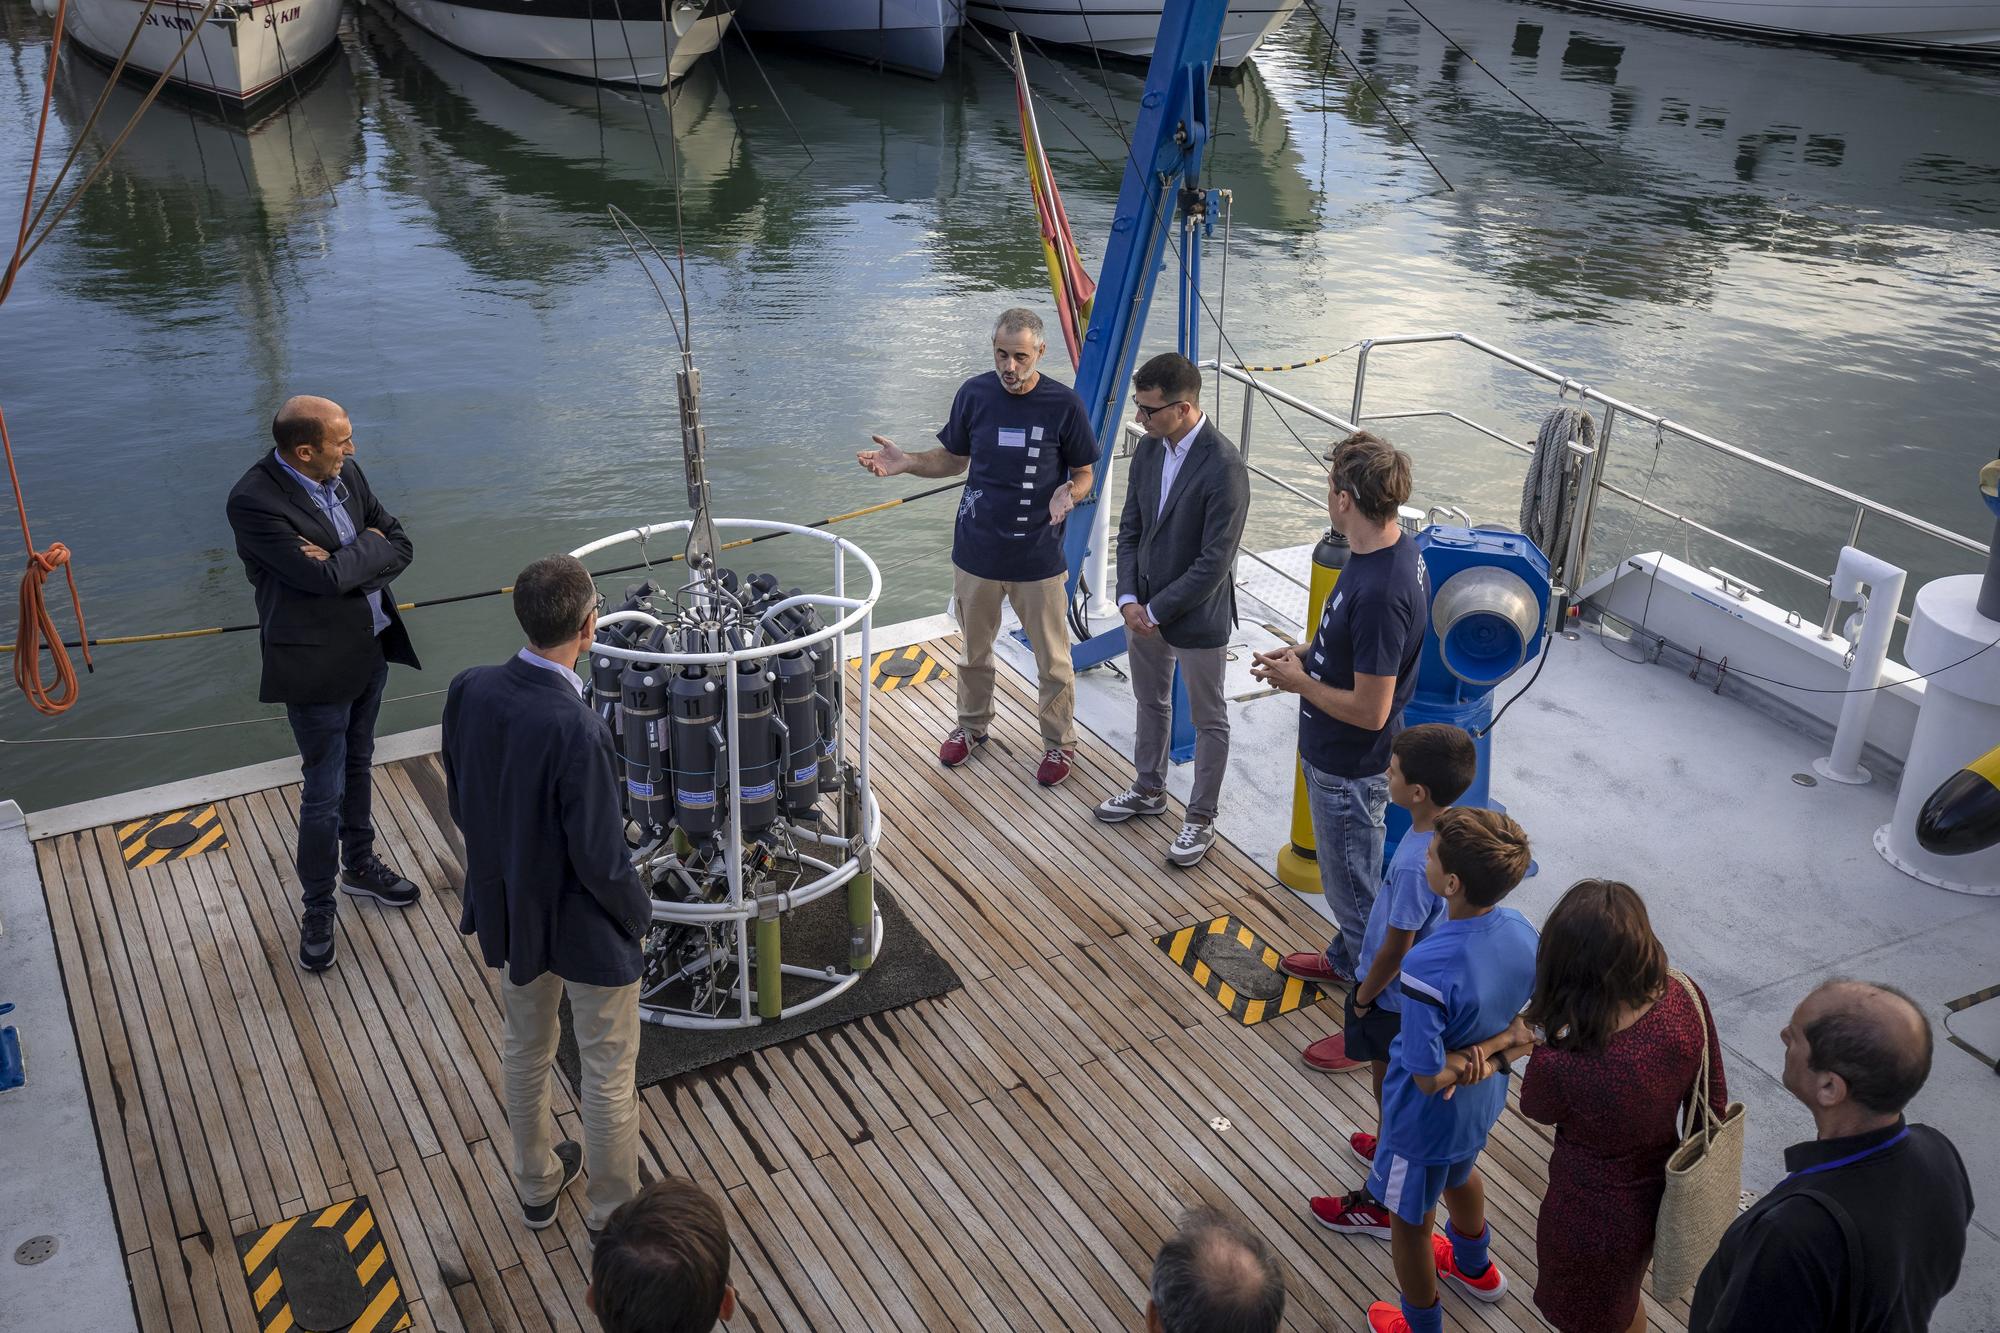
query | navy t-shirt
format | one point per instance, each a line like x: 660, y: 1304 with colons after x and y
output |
x: 1373, y: 624
x: 1022, y: 447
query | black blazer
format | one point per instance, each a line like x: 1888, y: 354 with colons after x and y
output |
x: 312, y: 615
x: 532, y: 780
x: 1177, y: 561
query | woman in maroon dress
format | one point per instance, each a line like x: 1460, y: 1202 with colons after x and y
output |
x: 1621, y: 1044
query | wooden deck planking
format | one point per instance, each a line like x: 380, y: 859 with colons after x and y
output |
x: 1009, y: 1155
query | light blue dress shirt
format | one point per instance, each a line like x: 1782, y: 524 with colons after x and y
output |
x: 343, y: 526
x: 536, y: 659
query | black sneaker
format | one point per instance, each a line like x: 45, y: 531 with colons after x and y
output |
x: 374, y: 879
x: 316, y: 939
x: 538, y: 1215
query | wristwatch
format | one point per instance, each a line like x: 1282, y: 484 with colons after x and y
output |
x: 1499, y: 1058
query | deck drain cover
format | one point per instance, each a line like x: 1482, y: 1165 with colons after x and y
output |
x: 1805, y: 779
x: 35, y: 1249
x: 169, y: 836
x: 1237, y: 969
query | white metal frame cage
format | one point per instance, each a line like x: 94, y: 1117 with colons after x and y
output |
x: 858, y: 828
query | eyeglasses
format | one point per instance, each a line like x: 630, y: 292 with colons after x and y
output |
x: 1146, y: 413
x: 339, y: 500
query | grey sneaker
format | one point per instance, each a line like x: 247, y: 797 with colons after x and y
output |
x: 538, y: 1215
x: 1191, y: 843
x: 316, y: 938
x: 1132, y: 802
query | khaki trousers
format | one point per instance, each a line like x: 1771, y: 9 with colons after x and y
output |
x: 1040, y: 606
x: 606, y: 1019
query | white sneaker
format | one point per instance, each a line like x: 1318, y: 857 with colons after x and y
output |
x: 1132, y: 802
x: 1192, y: 843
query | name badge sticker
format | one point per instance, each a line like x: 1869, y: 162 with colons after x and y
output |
x: 1013, y: 439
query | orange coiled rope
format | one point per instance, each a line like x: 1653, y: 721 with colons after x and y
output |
x: 47, y: 697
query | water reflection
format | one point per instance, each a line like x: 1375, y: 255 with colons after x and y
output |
x: 195, y: 206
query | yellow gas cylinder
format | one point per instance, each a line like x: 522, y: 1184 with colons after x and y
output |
x: 1963, y: 814
x: 1298, y: 864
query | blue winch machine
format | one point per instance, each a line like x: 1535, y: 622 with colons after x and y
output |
x: 1489, y: 605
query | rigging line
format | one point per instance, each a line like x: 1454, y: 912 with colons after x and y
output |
x: 758, y: 65
x: 222, y: 111
x: 632, y: 61
x: 674, y: 169
x: 1497, y: 79
x: 1053, y: 113
x: 1312, y: 6
x: 182, y: 731
x: 596, y: 79
x: 76, y: 144
x: 145, y: 103
x: 290, y: 71
x: 1082, y: 96
x: 1104, y: 79
x: 424, y: 603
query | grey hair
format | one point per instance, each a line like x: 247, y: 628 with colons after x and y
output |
x: 1017, y: 320
x: 1214, y: 1276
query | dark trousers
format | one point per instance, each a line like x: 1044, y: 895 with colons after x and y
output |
x: 336, y: 749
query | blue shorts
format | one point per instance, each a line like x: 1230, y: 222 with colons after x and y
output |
x: 1410, y: 1189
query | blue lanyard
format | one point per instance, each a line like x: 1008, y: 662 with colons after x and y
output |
x: 1850, y: 1159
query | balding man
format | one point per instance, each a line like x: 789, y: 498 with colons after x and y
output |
x: 1868, y: 1229
x: 1213, y: 1276
x: 319, y: 550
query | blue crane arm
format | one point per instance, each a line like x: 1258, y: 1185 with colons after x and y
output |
x: 1167, y: 141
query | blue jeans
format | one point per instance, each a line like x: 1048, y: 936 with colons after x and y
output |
x: 1348, y: 833
x: 336, y: 750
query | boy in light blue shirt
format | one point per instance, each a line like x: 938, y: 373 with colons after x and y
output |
x: 1461, y: 985
x: 1430, y: 766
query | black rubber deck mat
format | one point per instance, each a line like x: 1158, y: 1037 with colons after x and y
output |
x: 908, y: 969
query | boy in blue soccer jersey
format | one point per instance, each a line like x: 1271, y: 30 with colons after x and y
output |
x: 1462, y: 985
x: 1430, y: 766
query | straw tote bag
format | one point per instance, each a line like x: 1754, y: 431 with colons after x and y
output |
x: 1704, y: 1180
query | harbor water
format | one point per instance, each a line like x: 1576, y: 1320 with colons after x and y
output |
x: 1792, y: 248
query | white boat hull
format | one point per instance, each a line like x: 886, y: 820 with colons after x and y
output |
x: 608, y: 40
x: 1126, y: 27
x: 246, y: 48
x: 910, y: 35
x: 1968, y: 27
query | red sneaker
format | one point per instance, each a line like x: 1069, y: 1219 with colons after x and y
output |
x: 1329, y: 1056
x: 1352, y: 1214
x: 1313, y: 967
x: 1054, y: 767
x: 1489, y: 1286
x: 1387, y: 1317
x: 958, y: 747
x: 1363, y: 1147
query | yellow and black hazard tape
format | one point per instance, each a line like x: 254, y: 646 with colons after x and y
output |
x: 173, y: 836
x: 903, y: 666
x: 344, y: 1281
x: 1297, y: 365
x: 1962, y: 1003
x: 1254, y: 998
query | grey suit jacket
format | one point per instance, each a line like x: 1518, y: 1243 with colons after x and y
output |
x: 1177, y: 561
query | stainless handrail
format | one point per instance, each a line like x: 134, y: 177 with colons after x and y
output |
x: 1583, y: 519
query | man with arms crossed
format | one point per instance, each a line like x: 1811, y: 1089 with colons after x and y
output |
x: 1185, y: 503
x: 1023, y: 442
x: 1353, y: 681
x: 319, y: 550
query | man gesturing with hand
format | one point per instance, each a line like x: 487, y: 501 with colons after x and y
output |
x: 1023, y: 442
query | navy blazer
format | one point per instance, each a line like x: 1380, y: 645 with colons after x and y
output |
x: 313, y: 623
x: 532, y: 780
x: 1178, y: 561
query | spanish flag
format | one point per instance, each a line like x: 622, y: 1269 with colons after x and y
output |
x: 1073, y: 288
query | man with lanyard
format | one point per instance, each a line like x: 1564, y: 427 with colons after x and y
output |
x: 319, y: 550
x: 1867, y: 1232
x: 1352, y: 682
x: 1024, y: 443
